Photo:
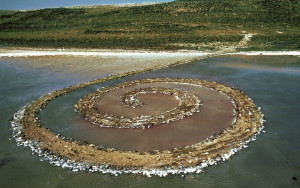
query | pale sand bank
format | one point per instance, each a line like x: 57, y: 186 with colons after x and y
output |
x: 13, y: 52
x: 93, y: 63
x: 78, y: 52
x: 293, y: 53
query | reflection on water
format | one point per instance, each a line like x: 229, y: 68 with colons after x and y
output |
x: 271, y: 161
x: 93, y: 67
x: 263, y: 68
x: 280, y: 64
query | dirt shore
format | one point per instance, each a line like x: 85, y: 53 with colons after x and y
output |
x: 92, y: 64
x: 87, y: 65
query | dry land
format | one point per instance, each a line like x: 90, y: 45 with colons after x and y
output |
x: 181, y: 24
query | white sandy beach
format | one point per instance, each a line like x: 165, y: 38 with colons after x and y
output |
x: 293, y: 53
x: 94, y: 52
x: 142, y: 53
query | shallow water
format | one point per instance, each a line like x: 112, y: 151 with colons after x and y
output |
x: 187, y: 131
x: 270, y: 161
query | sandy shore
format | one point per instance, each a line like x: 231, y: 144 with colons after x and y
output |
x: 29, y: 52
x: 85, y: 64
x: 84, y: 52
x: 293, y: 53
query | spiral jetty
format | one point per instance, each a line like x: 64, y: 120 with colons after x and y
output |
x: 73, y: 155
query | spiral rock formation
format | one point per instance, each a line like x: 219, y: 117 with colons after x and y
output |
x: 248, y: 121
x: 188, y: 104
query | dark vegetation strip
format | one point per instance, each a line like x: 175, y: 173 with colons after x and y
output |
x: 158, y: 26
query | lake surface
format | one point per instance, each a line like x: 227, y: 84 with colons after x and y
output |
x: 270, y: 161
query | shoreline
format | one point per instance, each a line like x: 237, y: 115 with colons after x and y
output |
x: 30, y: 52
x: 16, y: 52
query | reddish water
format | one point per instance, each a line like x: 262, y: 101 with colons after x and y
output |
x: 152, y: 104
x: 215, y: 115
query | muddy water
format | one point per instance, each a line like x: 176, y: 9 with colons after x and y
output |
x: 111, y: 103
x: 271, y: 161
x: 215, y: 114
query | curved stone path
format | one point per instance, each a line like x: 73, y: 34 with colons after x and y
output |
x: 188, y: 104
x: 58, y: 150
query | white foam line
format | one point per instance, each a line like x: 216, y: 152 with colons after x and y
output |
x: 294, y: 53
x: 21, y: 53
